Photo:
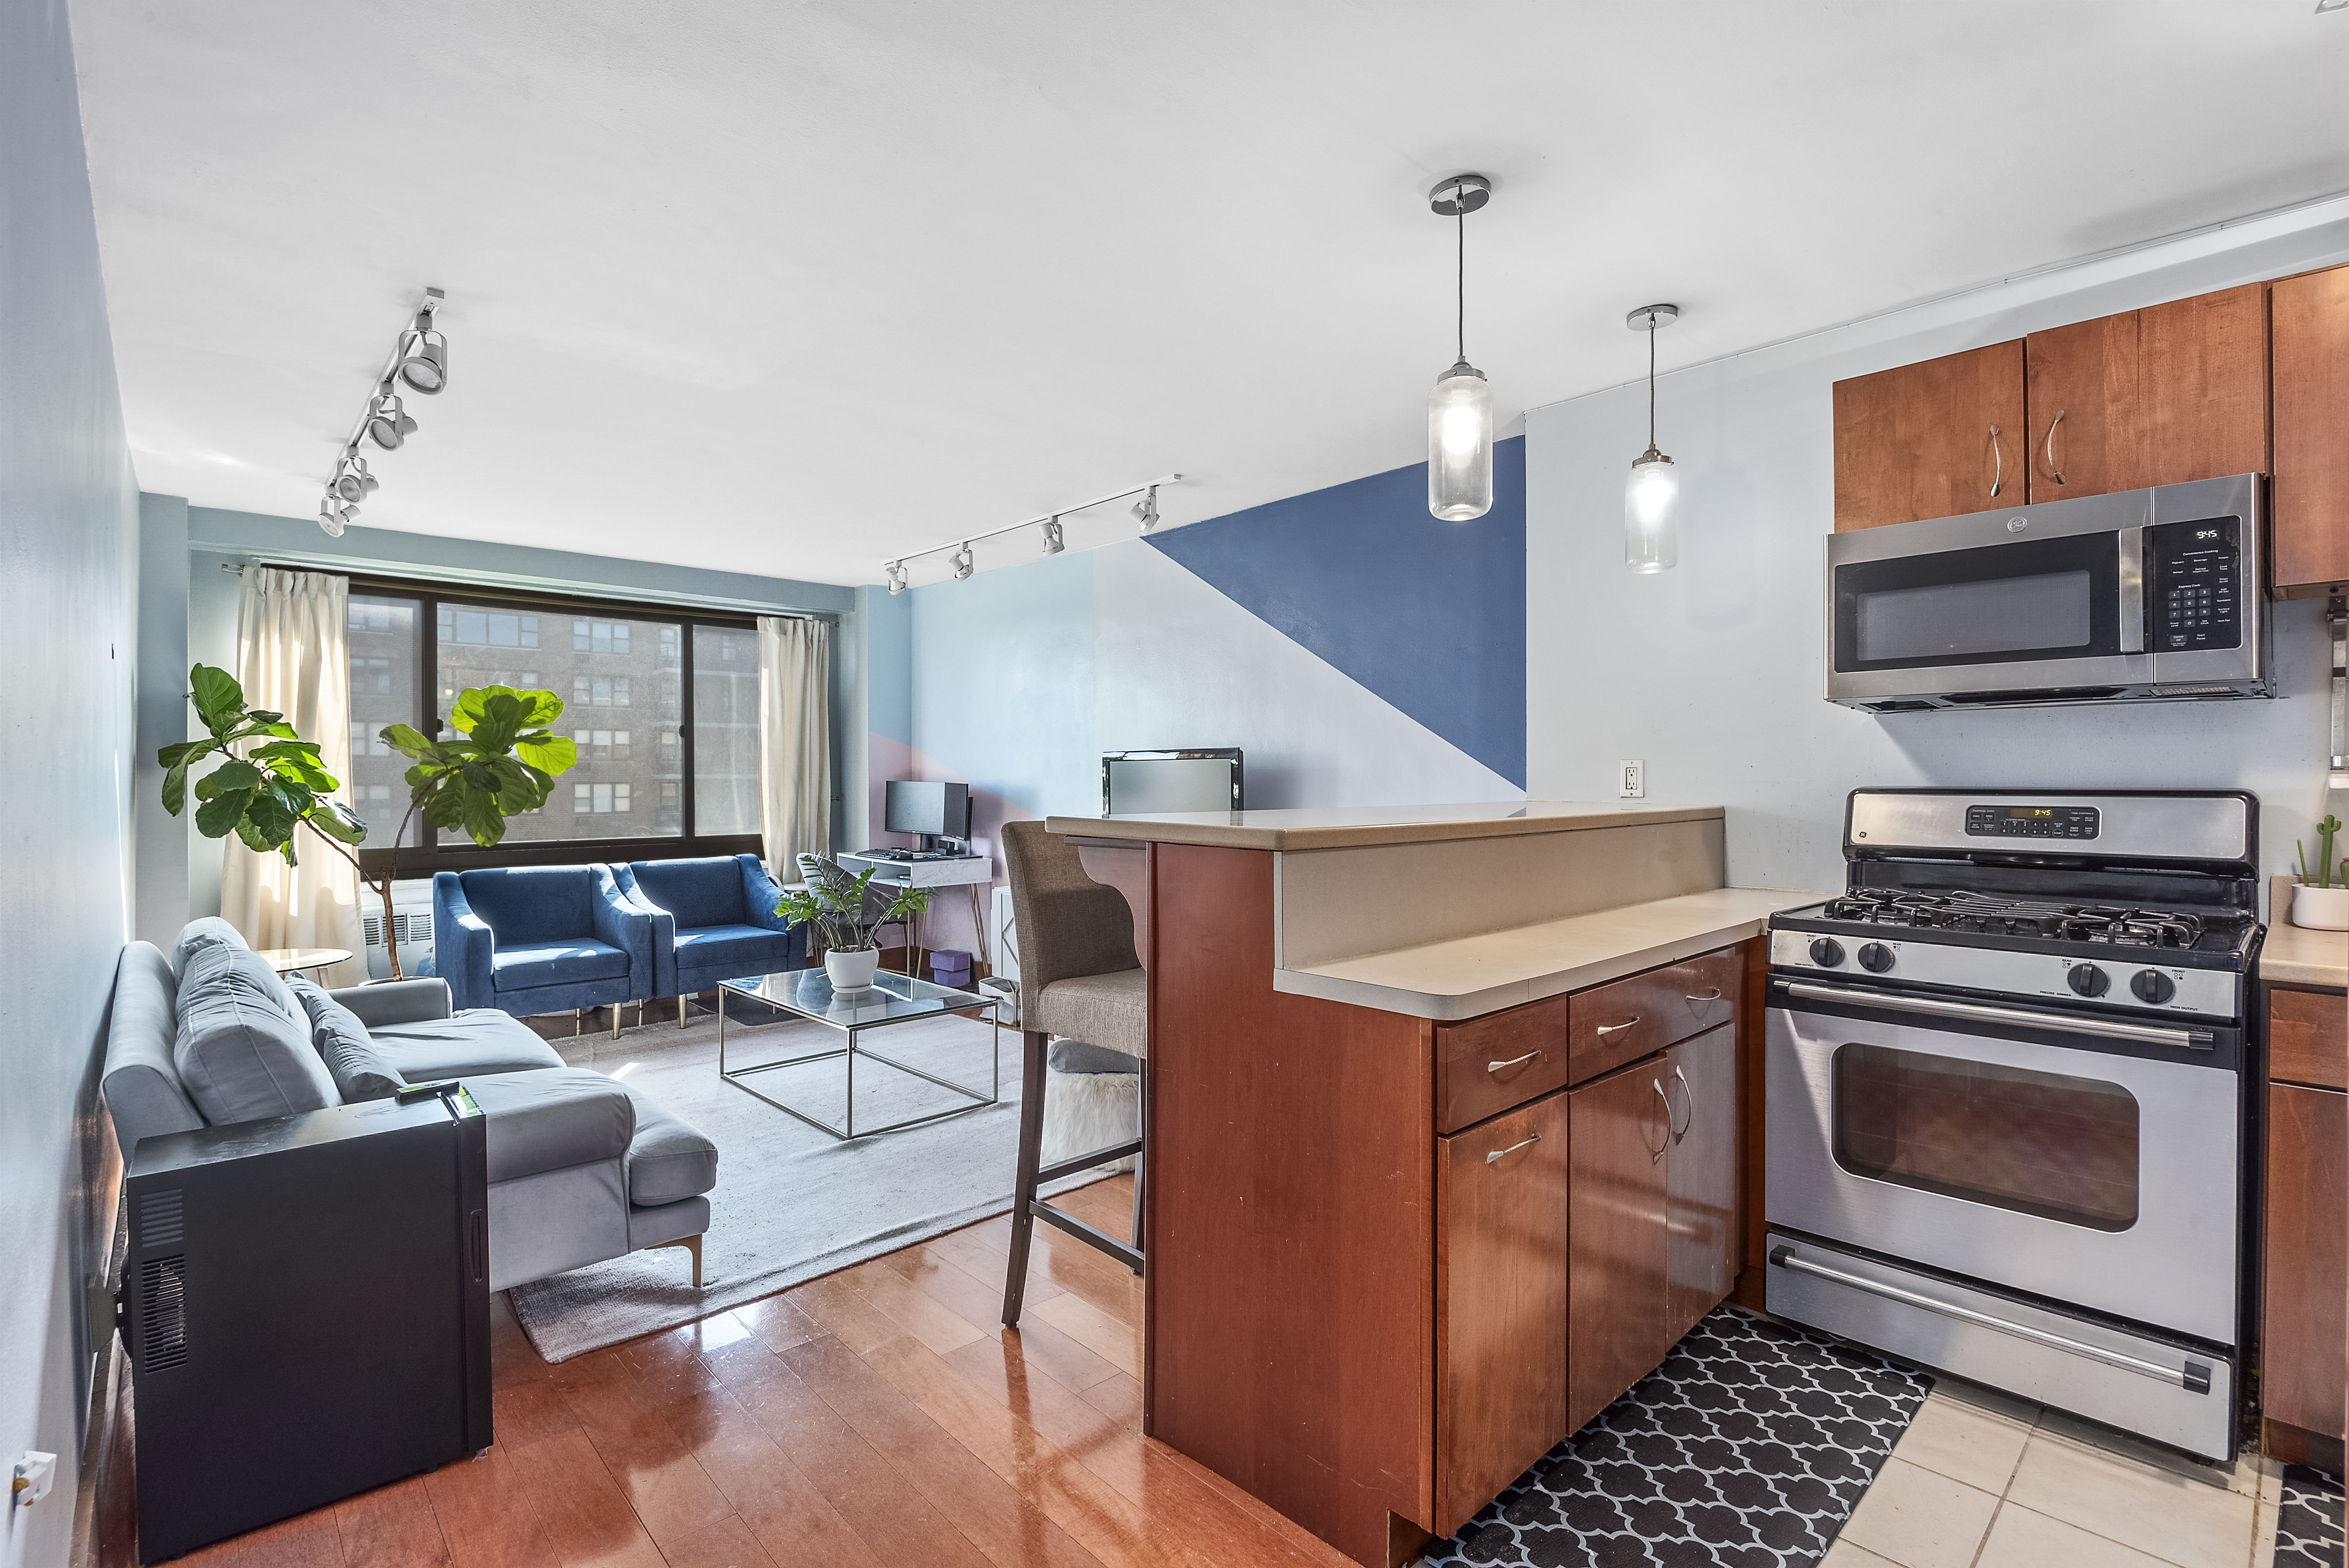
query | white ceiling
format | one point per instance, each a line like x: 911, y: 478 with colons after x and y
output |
x: 795, y: 288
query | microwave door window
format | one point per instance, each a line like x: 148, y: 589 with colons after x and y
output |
x: 1950, y: 621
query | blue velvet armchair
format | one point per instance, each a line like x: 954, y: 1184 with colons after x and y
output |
x: 714, y: 920
x: 541, y: 939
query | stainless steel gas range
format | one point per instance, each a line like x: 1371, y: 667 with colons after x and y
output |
x: 2007, y: 1097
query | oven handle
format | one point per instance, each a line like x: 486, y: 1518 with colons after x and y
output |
x: 2107, y: 1028
x: 2194, y: 1378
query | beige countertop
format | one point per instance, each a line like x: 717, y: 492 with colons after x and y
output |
x: 1350, y: 827
x: 1469, y: 976
x: 2297, y: 955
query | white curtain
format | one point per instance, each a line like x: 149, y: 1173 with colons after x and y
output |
x: 794, y: 740
x: 291, y: 657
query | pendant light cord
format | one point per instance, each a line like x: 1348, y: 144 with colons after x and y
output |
x: 1460, y: 276
x: 1651, y: 381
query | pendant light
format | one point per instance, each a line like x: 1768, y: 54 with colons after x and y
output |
x: 1460, y: 410
x: 1652, y: 500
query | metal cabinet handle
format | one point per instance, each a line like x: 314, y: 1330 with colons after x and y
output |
x: 1657, y: 1153
x: 1617, y: 1029
x: 1711, y: 996
x: 1689, y: 1089
x: 1512, y: 1062
x: 2194, y: 1378
x: 1999, y: 453
x: 1530, y: 1140
x: 2052, y: 471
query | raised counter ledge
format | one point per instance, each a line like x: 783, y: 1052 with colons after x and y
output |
x: 1471, y: 975
x: 1354, y: 826
x: 2299, y: 955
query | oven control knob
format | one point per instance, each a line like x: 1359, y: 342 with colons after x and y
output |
x: 1876, y: 958
x: 2088, y: 980
x: 2152, y: 987
x: 1827, y: 953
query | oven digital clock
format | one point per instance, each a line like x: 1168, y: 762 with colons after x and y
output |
x: 2032, y: 821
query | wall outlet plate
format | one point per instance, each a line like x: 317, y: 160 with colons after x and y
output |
x: 1631, y: 780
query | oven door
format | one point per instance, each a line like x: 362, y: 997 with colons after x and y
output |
x: 2014, y: 1146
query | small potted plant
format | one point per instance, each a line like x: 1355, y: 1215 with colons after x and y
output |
x: 833, y: 903
x: 2321, y: 902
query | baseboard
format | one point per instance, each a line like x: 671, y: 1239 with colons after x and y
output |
x: 2298, y: 1445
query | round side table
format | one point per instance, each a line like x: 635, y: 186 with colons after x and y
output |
x: 293, y: 960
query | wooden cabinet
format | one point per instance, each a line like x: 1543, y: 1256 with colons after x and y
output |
x: 2308, y: 1037
x: 2306, y: 1269
x: 2202, y: 385
x: 1701, y: 1188
x: 2082, y: 433
x: 1501, y: 1253
x: 2309, y: 502
x: 1621, y: 1256
x: 1931, y: 440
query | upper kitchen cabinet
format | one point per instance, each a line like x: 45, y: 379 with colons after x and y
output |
x: 2310, y: 499
x: 2085, y: 435
x: 1932, y: 439
x: 2202, y: 386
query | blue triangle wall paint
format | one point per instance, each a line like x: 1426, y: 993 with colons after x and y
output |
x: 1430, y: 615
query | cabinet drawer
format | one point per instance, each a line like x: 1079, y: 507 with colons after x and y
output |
x: 2308, y: 1037
x: 1487, y: 1065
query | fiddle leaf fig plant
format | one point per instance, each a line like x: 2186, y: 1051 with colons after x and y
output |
x: 269, y: 781
x: 503, y: 762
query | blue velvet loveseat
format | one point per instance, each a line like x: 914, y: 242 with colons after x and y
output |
x: 714, y: 920
x: 542, y: 939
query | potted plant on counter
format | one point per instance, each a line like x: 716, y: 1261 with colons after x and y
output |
x: 835, y: 903
x: 2321, y: 902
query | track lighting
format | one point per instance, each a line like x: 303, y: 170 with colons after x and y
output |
x: 897, y: 577
x: 962, y: 563
x: 1054, y: 542
x: 1056, y: 538
x: 387, y: 423
x: 1652, y: 499
x: 1145, y: 510
x: 1460, y: 410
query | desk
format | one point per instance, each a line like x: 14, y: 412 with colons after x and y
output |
x: 967, y: 871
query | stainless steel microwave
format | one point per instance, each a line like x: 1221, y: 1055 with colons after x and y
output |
x: 2149, y: 594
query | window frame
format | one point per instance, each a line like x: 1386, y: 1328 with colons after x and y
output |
x: 435, y: 854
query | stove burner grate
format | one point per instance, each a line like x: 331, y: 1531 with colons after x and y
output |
x: 2119, y: 924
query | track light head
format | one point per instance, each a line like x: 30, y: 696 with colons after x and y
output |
x: 963, y: 563
x: 897, y: 570
x: 1145, y: 510
x: 352, y: 482
x: 335, y: 515
x: 1053, y: 542
x: 423, y: 357
x: 387, y: 423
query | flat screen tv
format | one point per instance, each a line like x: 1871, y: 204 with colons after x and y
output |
x: 933, y: 811
x: 1153, y: 783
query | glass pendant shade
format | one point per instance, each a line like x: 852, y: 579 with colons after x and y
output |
x: 1460, y: 445
x: 1651, y: 504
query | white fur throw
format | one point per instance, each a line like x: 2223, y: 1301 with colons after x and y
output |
x: 1085, y: 1111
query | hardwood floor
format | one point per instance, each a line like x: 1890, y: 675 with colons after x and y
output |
x: 878, y: 1416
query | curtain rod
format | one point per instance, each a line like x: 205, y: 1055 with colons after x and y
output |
x: 494, y: 583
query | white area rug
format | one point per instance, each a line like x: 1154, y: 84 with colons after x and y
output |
x: 791, y: 1203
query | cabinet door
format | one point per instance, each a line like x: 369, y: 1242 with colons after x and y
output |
x: 1501, y: 1260
x: 2081, y: 388
x: 2202, y: 385
x: 2311, y: 495
x: 2307, y: 1273
x: 1933, y: 439
x: 1700, y: 1179
x: 1615, y: 1324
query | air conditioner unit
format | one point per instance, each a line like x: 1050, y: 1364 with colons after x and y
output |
x: 411, y: 921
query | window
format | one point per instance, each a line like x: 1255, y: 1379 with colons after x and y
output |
x: 689, y: 789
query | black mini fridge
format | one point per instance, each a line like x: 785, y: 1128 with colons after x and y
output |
x: 306, y: 1305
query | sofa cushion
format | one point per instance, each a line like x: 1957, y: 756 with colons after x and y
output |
x: 706, y: 892
x: 242, y: 1048
x: 526, y: 965
x: 142, y: 1090
x: 397, y: 1001
x: 1112, y: 1010
x: 212, y: 931
x: 669, y: 1158
x: 524, y: 904
x: 361, y: 1070
x: 473, y: 1042
x: 552, y: 1119
x: 744, y: 949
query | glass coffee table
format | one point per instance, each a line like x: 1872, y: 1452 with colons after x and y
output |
x: 891, y: 999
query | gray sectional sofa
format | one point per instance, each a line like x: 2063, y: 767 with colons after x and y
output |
x: 582, y: 1167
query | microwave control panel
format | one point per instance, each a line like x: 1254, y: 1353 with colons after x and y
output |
x: 2073, y: 822
x: 2192, y: 600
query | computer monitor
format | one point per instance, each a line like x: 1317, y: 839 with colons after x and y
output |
x: 933, y: 811
x: 1152, y: 783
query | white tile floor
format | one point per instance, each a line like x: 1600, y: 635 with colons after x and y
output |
x: 1985, y: 1481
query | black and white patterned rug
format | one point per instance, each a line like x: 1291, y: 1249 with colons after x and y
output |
x: 2308, y: 1520
x: 1748, y: 1447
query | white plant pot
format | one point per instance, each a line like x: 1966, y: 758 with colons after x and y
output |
x: 2320, y: 908
x: 851, y: 971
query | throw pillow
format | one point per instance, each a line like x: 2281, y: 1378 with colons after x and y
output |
x: 212, y: 931
x: 360, y: 1067
x: 240, y: 1050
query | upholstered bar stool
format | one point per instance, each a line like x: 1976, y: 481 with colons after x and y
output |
x: 1079, y: 978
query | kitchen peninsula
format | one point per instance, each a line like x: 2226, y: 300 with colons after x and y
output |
x: 1447, y: 1143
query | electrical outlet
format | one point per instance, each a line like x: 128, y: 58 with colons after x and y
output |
x: 1631, y: 780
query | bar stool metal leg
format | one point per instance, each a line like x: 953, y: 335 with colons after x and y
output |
x: 1031, y: 1150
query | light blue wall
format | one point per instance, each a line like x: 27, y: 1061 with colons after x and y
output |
x: 159, y: 903
x: 1711, y: 673
x: 68, y: 584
